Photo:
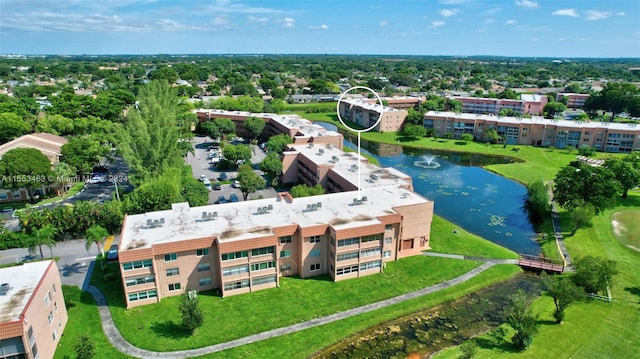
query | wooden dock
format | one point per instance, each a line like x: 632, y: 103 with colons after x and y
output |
x: 530, y: 262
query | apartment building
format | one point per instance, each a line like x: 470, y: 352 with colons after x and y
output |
x: 366, y: 114
x: 538, y: 131
x: 300, y: 130
x: 247, y: 246
x: 32, y: 311
x: 528, y: 104
x: 575, y: 100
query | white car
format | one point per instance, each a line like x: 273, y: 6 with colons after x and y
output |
x: 235, y: 184
x: 97, y: 178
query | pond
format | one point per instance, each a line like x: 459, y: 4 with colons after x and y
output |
x: 423, y: 333
x: 464, y: 193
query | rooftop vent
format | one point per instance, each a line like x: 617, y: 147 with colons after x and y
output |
x: 4, y: 288
x: 209, y: 216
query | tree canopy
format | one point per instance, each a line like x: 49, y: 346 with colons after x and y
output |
x: 249, y: 181
x: 24, y: 167
x: 278, y: 143
x: 579, y: 183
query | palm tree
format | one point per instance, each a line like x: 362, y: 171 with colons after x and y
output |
x: 96, y: 234
x: 43, y: 236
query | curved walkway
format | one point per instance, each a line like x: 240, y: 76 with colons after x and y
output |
x: 116, y: 339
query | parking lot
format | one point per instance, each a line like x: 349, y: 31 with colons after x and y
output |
x: 201, y: 166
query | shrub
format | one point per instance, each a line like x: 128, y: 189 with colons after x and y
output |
x: 71, y: 295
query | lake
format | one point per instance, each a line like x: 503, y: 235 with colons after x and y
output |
x: 464, y: 193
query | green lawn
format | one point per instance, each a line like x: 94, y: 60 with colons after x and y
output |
x: 592, y: 329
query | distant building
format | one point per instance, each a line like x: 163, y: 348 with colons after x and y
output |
x: 528, y: 104
x: 32, y: 311
x: 575, y: 100
x: 538, y: 131
x: 366, y: 114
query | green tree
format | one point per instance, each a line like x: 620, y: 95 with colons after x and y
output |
x: 255, y: 126
x: 491, y: 135
x: 278, y: 143
x: 55, y: 124
x: 414, y: 117
x: 594, y: 273
x: 84, y: 347
x: 468, y: 349
x: 209, y: 128
x: 225, y: 126
x: 97, y: 235
x: 191, y: 314
x: 83, y: 153
x: 615, y: 97
x: 165, y: 74
x: 149, y: 142
x: 553, y: 108
x: 271, y: 165
x: 563, y: 291
x: 303, y: 190
x: 581, y: 215
x: 466, y: 137
x: 42, y: 236
x: 249, y: 181
x: 24, y: 167
x: 521, y: 320
x: 64, y: 175
x: 414, y: 132
x: 626, y: 171
x: 537, y: 202
x: 579, y: 183
x: 237, y: 153
x: 12, y: 126
x: 277, y: 104
x: 157, y: 194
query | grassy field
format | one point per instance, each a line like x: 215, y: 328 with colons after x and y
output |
x: 592, y: 329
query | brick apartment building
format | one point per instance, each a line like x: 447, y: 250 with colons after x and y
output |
x: 366, y: 114
x: 247, y: 246
x: 538, y: 131
x: 32, y: 311
x: 575, y: 100
x: 528, y: 104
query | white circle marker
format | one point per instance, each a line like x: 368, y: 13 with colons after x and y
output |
x: 359, y: 131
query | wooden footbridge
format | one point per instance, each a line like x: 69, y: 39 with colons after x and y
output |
x: 530, y: 262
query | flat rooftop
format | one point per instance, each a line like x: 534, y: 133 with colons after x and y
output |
x: 346, y: 165
x: 21, y: 281
x: 304, y: 126
x: 536, y: 120
x: 255, y: 219
x: 362, y: 103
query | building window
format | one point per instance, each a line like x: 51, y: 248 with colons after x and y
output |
x: 370, y: 265
x: 388, y: 240
x: 174, y: 286
x: 285, y: 267
x: 286, y: 253
x: 285, y: 239
x: 53, y: 287
x: 264, y: 280
x: 371, y: 252
x: 204, y: 281
x: 144, y: 279
x: 263, y: 265
x: 314, y: 239
x: 262, y: 251
x: 170, y: 257
x: 235, y: 270
x: 203, y: 267
x: 388, y: 227
x: 142, y: 295
x: 30, y: 335
x: 348, y: 242
x: 346, y: 270
x: 55, y: 334
x: 172, y: 272
x: 386, y: 254
x: 50, y: 317
x: 202, y: 252
x: 236, y: 285
x: 314, y: 253
x: 55, y: 306
x: 373, y: 237
x: 234, y: 255
x: 347, y: 256
x: 34, y: 350
x: 146, y: 263
x: 47, y: 299
x: 315, y: 267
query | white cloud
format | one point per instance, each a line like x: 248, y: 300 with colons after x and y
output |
x: 435, y: 24
x: 452, y: 2
x: 321, y: 27
x: 511, y: 22
x: 596, y: 15
x: 527, y: 3
x: 383, y: 23
x: 228, y: 6
x: 621, y: 13
x: 492, y: 11
x: 289, y: 22
x: 566, y: 12
x: 448, y: 12
x: 258, y: 20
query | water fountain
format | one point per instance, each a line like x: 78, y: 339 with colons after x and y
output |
x: 428, y: 162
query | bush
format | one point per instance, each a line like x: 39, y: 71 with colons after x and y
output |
x: 586, y: 151
x: 468, y: 349
x: 71, y: 295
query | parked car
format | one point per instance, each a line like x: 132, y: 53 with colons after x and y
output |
x: 221, y: 199
x: 235, y: 184
x: 112, y: 253
x: 223, y: 176
x: 202, y: 178
x: 234, y: 197
x: 207, y: 184
x: 217, y: 186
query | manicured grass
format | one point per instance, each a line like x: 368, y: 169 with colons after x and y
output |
x: 444, y: 240
x: 84, y: 319
x: 156, y: 326
x: 77, y: 187
x: 592, y: 329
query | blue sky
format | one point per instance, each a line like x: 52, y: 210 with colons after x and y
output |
x: 549, y: 28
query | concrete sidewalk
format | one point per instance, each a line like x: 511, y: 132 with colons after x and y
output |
x: 116, y: 339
